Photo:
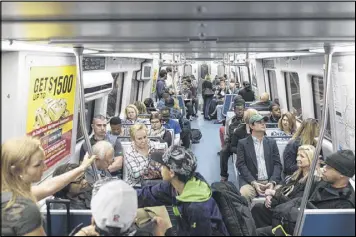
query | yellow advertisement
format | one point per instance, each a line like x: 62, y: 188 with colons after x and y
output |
x: 154, y: 80
x: 50, y: 109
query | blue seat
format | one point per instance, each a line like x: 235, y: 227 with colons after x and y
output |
x: 228, y: 101
x: 328, y: 222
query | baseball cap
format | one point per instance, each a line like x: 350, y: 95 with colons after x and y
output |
x: 343, y: 161
x: 165, y: 112
x: 257, y: 118
x: 114, y: 206
x: 178, y: 159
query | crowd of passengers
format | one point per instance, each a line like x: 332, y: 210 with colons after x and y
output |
x: 161, y: 176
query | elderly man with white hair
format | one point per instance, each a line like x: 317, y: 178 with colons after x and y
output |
x: 104, y: 152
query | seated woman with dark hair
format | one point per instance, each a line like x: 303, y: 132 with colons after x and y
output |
x: 77, y: 192
x: 150, y: 107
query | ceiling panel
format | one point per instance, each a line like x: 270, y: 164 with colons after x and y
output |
x: 182, y: 26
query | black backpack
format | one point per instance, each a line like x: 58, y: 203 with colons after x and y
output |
x: 196, y: 135
x: 234, y: 209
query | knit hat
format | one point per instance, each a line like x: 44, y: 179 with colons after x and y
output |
x: 342, y: 161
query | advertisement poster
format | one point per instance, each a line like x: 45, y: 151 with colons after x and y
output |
x: 51, y: 108
x: 154, y: 80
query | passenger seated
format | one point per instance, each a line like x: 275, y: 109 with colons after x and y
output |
x: 293, y: 187
x: 150, y: 107
x: 258, y: 161
x: 174, y: 112
x: 104, y: 153
x: 188, y: 192
x: 158, y: 130
x: 247, y: 93
x: 305, y: 135
x: 162, y: 102
x: 275, y: 113
x: 77, y: 192
x: 242, y: 131
x: 137, y: 161
x: 333, y: 192
x: 117, y: 218
x: 264, y: 102
x: 225, y: 153
x: 195, y: 100
x: 100, y: 134
x: 131, y: 113
x: 141, y: 107
x: 287, y: 125
x: 22, y: 164
x: 115, y: 129
x: 171, y: 124
x: 187, y: 95
x: 233, y: 88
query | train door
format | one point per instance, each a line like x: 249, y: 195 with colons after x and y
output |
x: 272, y: 84
x: 204, y: 70
x: 187, y: 71
x: 115, y: 96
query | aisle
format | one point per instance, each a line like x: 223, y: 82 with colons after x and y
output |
x: 206, y: 151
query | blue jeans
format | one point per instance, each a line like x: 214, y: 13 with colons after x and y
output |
x: 219, y: 109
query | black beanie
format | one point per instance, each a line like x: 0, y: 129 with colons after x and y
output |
x: 343, y: 161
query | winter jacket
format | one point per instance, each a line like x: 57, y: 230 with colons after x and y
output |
x: 196, y: 211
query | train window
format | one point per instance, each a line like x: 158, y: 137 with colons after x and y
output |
x: 89, y: 114
x: 112, y: 106
x: 187, y: 70
x: 244, y: 74
x: 272, y: 83
x: 293, y: 94
x: 204, y: 70
x: 221, y: 70
x: 318, y: 95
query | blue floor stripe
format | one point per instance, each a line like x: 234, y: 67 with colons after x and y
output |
x: 206, y: 151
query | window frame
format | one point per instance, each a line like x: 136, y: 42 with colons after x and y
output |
x: 328, y: 136
x: 272, y: 95
x: 289, y: 96
x: 90, y: 121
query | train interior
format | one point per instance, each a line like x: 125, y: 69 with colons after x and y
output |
x: 285, y: 49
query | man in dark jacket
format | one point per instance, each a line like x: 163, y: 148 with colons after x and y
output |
x: 247, y: 93
x: 225, y: 153
x: 196, y: 211
x: 334, y: 192
x: 275, y: 113
x: 161, y: 84
x: 258, y: 160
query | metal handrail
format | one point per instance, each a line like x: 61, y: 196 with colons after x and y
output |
x: 328, y: 57
x: 78, y: 51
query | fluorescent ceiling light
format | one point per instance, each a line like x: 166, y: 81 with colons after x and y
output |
x: 337, y: 49
x: 22, y: 46
x: 129, y: 55
x: 279, y: 55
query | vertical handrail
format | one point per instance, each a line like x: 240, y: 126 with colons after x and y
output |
x: 78, y: 51
x: 328, y: 57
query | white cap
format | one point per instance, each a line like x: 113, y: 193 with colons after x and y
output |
x: 114, y: 205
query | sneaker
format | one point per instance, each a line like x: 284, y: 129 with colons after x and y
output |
x: 218, y: 122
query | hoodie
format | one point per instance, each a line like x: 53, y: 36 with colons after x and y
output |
x: 196, y: 211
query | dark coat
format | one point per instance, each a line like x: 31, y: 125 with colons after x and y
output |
x: 247, y: 161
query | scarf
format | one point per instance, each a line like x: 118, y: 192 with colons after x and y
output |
x: 157, y: 133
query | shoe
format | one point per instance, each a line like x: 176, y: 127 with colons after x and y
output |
x: 218, y: 122
x: 218, y: 153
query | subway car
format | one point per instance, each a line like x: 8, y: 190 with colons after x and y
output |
x: 63, y: 63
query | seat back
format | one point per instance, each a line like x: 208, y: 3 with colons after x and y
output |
x: 228, y: 101
x: 328, y: 222
x: 59, y: 220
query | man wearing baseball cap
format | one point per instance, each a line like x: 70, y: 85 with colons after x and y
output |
x: 196, y: 211
x: 258, y: 160
x: 335, y: 191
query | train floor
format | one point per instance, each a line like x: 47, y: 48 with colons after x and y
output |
x: 206, y: 151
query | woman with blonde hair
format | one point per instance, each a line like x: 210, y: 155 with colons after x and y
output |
x: 294, y: 187
x: 23, y: 163
x: 137, y: 164
x: 305, y: 135
x: 287, y: 123
x: 131, y: 117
